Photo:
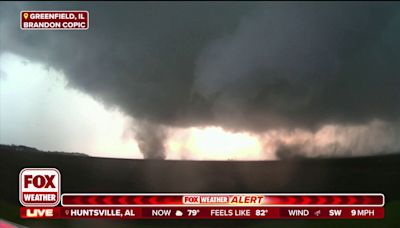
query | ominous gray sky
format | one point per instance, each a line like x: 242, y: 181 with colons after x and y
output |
x: 291, y: 68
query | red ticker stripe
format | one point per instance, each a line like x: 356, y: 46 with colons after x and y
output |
x: 244, y: 199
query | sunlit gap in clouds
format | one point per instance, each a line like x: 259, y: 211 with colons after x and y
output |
x: 213, y: 143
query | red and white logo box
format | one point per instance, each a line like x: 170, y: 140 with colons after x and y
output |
x: 39, y: 187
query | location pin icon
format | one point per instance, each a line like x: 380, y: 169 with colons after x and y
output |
x: 26, y: 15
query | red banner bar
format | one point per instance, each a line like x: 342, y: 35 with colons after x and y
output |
x: 69, y: 199
x: 204, y: 212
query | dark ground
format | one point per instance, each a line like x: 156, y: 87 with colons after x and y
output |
x: 86, y: 174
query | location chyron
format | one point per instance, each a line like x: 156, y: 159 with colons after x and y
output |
x: 54, y: 20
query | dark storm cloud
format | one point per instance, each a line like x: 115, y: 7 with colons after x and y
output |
x: 248, y: 67
x: 305, y: 66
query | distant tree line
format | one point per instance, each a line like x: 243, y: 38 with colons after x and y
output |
x: 22, y: 148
